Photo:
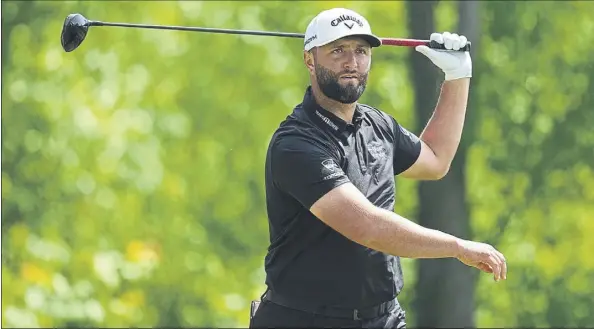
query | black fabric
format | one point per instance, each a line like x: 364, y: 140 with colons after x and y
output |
x: 306, y: 169
x: 272, y: 315
x: 329, y: 311
x: 312, y: 152
x: 407, y: 148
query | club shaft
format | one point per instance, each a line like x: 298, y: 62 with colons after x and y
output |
x: 385, y: 41
x: 198, y: 29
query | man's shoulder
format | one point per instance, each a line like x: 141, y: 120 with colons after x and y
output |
x: 298, y: 131
x: 289, y: 137
x: 376, y: 115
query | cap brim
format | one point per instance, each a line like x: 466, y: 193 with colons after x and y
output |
x: 370, y: 38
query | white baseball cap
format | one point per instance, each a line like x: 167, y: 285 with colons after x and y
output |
x: 333, y: 24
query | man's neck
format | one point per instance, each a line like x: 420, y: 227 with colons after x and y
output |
x: 343, y: 111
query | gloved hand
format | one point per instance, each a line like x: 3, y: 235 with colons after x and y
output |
x: 455, y: 64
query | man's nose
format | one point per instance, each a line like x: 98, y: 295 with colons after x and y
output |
x: 351, y: 61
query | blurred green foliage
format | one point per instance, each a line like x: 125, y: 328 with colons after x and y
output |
x: 531, y: 167
x: 132, y: 168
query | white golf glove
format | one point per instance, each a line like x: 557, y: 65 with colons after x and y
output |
x: 455, y: 64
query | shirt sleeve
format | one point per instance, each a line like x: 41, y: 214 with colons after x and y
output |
x: 407, y: 148
x: 305, y: 170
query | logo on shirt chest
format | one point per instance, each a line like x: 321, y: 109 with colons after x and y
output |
x: 377, y: 150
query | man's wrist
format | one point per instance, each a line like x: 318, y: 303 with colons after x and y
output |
x: 460, y: 82
x: 457, y: 75
x: 457, y: 247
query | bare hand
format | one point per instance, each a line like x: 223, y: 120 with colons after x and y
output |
x: 484, y: 257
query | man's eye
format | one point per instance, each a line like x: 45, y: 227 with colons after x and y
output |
x: 362, y: 51
x: 336, y: 51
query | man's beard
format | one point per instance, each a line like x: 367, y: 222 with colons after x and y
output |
x: 328, y: 82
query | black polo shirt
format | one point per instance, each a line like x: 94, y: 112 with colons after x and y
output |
x: 312, y: 152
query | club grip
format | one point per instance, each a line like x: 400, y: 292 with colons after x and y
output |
x: 437, y: 45
x: 414, y: 43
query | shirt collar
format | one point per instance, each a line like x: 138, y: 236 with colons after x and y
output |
x: 326, y: 119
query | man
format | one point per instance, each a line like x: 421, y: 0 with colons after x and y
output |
x: 335, y: 240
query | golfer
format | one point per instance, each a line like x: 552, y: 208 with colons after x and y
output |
x: 335, y: 240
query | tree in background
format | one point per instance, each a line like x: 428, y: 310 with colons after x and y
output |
x: 444, y: 294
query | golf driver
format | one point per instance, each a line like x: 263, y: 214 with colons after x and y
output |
x: 76, y: 27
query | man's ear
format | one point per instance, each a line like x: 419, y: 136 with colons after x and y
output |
x: 308, y: 60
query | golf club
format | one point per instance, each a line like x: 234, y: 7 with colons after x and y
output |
x: 76, y: 27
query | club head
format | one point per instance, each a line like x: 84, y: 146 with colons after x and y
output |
x: 74, y: 31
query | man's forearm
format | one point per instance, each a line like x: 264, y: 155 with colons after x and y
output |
x: 393, y: 234
x: 444, y: 130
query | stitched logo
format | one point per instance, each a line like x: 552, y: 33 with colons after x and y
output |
x: 330, y: 165
x: 310, y: 39
x: 343, y: 18
x: 327, y: 120
x: 377, y: 150
x: 331, y: 169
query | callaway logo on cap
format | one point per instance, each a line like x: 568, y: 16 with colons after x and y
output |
x: 333, y: 24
